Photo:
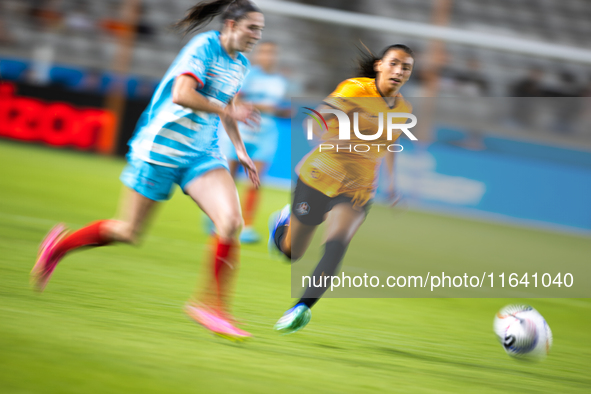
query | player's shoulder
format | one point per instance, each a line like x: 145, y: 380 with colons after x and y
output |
x: 208, y: 39
x: 354, y: 87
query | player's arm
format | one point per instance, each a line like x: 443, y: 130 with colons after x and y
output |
x: 262, y: 108
x: 184, y: 93
x: 231, y: 127
x: 266, y: 108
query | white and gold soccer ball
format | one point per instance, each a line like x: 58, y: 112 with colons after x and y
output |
x: 523, y: 332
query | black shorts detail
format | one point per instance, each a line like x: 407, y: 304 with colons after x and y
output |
x: 310, y: 205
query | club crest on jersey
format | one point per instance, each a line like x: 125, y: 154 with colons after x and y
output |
x: 302, y: 208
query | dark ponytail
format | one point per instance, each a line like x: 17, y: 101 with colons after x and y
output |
x: 202, y: 13
x: 366, y: 60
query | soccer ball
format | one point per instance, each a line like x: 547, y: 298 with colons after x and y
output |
x: 523, y: 332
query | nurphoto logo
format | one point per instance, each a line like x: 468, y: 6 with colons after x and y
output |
x: 345, y: 129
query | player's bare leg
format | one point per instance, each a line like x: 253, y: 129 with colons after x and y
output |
x: 288, y: 235
x: 342, y: 223
x: 216, y: 195
x: 297, y: 239
x: 134, y: 211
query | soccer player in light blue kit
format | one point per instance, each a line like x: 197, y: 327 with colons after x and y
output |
x: 265, y: 88
x: 176, y: 142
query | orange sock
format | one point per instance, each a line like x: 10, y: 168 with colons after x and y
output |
x: 250, y: 206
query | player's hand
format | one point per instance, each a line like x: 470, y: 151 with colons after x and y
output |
x: 244, y: 112
x: 249, y: 167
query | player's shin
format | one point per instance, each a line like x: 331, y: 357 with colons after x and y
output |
x: 334, y: 251
x: 250, y: 206
x: 223, y: 269
x: 59, y: 242
x: 280, y: 239
x: 94, y: 234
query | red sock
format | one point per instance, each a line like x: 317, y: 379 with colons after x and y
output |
x: 250, y: 206
x: 225, y: 265
x: 86, y: 236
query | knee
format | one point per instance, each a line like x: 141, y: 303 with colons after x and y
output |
x: 230, y: 225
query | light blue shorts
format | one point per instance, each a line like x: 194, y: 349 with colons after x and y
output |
x: 157, y: 182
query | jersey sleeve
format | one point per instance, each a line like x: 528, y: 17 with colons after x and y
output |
x: 341, y: 97
x: 197, y: 62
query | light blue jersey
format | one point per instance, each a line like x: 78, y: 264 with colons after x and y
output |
x: 170, y: 135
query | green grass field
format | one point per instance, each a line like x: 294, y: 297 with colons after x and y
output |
x: 111, y: 319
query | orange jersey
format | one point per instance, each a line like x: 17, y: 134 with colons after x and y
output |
x: 345, y: 170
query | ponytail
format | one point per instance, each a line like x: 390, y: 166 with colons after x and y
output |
x: 202, y: 13
x: 366, y: 60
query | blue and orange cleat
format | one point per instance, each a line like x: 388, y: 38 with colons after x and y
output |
x: 276, y: 220
x: 46, y: 261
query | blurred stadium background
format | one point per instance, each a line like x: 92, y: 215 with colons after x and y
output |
x: 75, y: 75
x: 109, y: 56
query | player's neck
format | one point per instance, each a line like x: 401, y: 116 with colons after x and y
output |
x: 225, y: 41
x: 386, y: 91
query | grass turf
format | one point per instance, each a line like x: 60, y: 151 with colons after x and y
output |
x: 111, y: 319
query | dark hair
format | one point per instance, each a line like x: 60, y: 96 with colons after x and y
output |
x: 202, y: 13
x: 366, y: 60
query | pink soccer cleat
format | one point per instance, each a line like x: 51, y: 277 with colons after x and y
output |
x: 214, y: 323
x: 46, y: 262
